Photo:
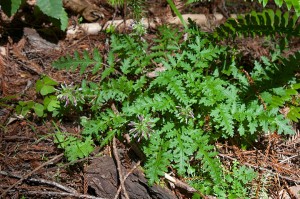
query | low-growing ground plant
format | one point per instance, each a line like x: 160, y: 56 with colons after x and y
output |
x: 177, y: 95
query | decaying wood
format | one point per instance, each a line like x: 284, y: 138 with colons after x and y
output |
x: 102, y: 177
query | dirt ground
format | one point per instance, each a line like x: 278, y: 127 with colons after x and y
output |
x: 31, y: 165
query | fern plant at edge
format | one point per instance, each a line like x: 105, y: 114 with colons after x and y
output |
x: 179, y: 112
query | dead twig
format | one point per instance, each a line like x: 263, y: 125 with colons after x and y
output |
x: 52, y: 193
x: 180, y: 184
x: 30, y: 173
x: 125, y: 177
x: 185, y: 186
x: 119, y: 168
x: 41, y: 181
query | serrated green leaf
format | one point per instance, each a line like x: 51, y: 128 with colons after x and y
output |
x: 79, y: 149
x: 45, y: 85
x: 59, y: 138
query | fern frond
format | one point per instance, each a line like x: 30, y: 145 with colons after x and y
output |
x: 289, y: 4
x: 117, y: 89
x: 266, y: 23
x: 72, y: 63
x: 75, y: 148
x: 212, y: 91
x: 223, y: 118
x: 158, y: 158
x: 207, y: 155
x: 173, y: 84
x: 294, y: 113
x: 183, y: 147
x: 159, y: 102
x: 79, y: 149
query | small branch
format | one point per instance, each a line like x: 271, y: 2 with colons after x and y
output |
x: 30, y: 173
x: 119, y: 168
x: 287, y: 159
x: 51, y: 193
x: 41, y: 181
x: 180, y: 184
x: 125, y: 177
x: 185, y: 186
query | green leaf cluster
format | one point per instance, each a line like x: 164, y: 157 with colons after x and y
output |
x: 46, y: 87
x: 178, y: 94
x: 75, y: 148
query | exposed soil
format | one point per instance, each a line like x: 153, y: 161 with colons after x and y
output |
x: 27, y: 52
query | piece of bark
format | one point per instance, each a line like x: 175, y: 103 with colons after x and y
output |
x: 102, y: 177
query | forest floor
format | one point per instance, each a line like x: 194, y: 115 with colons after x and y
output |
x: 31, y: 165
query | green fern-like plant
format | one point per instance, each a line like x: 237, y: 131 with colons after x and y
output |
x: 74, y: 147
x: 71, y: 63
x: 289, y: 3
x: 267, y: 23
x: 176, y: 114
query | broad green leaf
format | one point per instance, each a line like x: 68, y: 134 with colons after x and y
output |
x: 24, y: 107
x: 47, y: 90
x: 39, y: 109
x: 48, y: 81
x: 54, y: 9
x: 10, y: 7
x: 45, y: 81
